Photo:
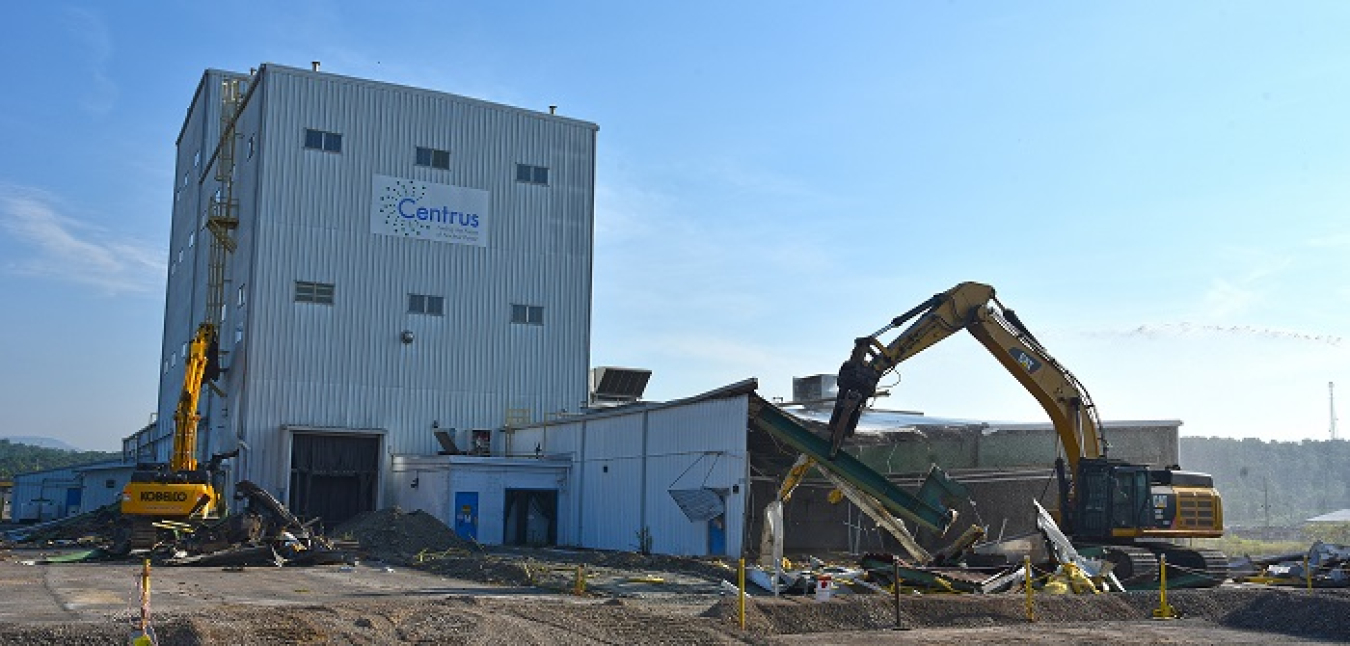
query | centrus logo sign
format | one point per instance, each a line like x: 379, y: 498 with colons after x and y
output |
x: 1028, y: 362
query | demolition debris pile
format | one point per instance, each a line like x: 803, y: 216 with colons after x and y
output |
x: 395, y: 536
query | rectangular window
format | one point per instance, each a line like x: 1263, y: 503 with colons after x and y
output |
x: 527, y: 314
x: 329, y: 142
x: 532, y: 174
x: 425, y: 304
x: 240, y: 301
x: 433, y: 158
x: 307, y: 292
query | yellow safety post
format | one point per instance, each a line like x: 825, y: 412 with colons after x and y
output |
x: 1031, y: 603
x: 146, y: 635
x: 1307, y: 572
x: 740, y: 582
x: 579, y: 586
x: 1164, y: 611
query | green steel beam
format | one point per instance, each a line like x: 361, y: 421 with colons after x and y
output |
x: 786, y: 428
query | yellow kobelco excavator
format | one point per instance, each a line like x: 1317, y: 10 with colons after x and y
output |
x: 1126, y: 513
x: 162, y: 494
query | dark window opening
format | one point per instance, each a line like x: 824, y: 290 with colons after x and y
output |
x: 426, y: 304
x: 433, y: 158
x: 330, y: 142
x: 532, y: 174
x: 527, y: 314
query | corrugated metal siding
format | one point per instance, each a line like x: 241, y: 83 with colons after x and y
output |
x: 700, y: 445
x: 609, y: 479
x: 305, y: 215
x: 41, y: 495
x: 625, y: 464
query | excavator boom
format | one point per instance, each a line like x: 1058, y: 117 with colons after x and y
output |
x: 971, y: 307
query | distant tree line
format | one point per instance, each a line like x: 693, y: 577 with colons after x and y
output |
x: 24, y: 458
x: 1273, y: 484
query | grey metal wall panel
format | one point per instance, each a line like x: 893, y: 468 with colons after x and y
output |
x: 696, y: 446
x: 41, y: 495
x: 610, y: 481
x: 625, y: 463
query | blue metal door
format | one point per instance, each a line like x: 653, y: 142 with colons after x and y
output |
x: 717, y: 536
x: 466, y: 514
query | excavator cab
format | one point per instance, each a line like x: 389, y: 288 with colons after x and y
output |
x: 1113, y: 496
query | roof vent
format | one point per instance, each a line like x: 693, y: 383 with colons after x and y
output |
x: 610, y: 385
x: 816, y: 391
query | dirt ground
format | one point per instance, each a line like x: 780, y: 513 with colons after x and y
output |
x: 376, y: 602
x: 411, y: 580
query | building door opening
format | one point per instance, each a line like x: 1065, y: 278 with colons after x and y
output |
x: 333, y: 477
x: 466, y: 514
x: 531, y: 517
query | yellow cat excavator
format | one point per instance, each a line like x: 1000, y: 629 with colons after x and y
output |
x: 1126, y: 513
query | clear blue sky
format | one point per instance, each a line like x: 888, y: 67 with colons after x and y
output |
x: 1159, y: 189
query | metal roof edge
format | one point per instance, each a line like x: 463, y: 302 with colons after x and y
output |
x: 743, y: 387
x: 298, y: 71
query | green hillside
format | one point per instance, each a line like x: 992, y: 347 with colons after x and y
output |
x: 23, y: 458
x: 1279, y: 484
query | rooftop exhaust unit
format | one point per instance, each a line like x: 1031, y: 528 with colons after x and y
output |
x: 816, y: 391
x: 610, y: 385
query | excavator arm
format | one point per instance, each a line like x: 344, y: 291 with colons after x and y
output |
x: 971, y: 307
x: 200, y: 365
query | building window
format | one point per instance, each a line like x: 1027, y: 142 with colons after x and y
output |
x: 433, y: 158
x: 307, y: 292
x: 532, y: 174
x: 250, y: 147
x: 240, y: 301
x: 329, y: 142
x: 527, y: 314
x: 192, y: 239
x: 424, y: 304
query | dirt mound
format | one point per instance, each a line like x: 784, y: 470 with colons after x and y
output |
x: 1324, y: 614
x: 395, y: 536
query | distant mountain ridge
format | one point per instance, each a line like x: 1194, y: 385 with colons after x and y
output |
x: 44, y: 442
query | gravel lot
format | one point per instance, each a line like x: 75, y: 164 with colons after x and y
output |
x: 95, y: 603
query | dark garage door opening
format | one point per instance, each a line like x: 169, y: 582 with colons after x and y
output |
x: 531, y: 517
x: 333, y: 477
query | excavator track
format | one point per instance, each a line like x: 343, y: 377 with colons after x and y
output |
x: 1134, y: 567
x: 1194, y: 568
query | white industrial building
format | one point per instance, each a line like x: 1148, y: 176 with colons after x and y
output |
x: 670, y: 478
x: 404, y: 260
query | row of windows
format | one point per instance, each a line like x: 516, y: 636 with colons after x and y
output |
x: 331, y: 142
x: 431, y: 305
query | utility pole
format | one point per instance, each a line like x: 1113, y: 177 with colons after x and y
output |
x: 1331, y: 398
x: 1266, y: 505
